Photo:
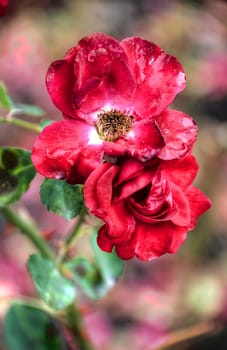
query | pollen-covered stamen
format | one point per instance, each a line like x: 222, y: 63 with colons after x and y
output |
x: 113, y: 124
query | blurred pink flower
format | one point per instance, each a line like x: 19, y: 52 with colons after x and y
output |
x: 3, y: 7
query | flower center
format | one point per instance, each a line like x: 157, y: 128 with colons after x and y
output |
x: 113, y: 124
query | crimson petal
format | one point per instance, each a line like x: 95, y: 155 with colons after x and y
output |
x: 143, y: 142
x: 98, y: 198
x: 153, y: 240
x: 104, y: 78
x: 181, y: 172
x: 179, y: 131
x: 62, y: 151
x: 159, y: 76
x: 198, y: 202
x: 60, y: 79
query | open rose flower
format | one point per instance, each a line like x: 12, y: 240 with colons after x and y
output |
x: 148, y: 208
x: 114, y: 98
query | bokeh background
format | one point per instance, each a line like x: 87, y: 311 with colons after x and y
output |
x: 176, y: 296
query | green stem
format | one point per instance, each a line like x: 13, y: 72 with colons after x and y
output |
x: 28, y: 228
x: 23, y: 123
x: 75, y: 323
x: 71, y: 237
x: 76, y: 229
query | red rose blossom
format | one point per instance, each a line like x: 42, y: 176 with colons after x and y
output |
x: 3, y: 7
x: 148, y: 208
x: 114, y: 98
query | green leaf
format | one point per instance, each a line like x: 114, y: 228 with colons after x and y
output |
x: 26, y: 327
x: 31, y: 110
x: 16, y: 173
x: 96, y: 279
x: 110, y: 267
x: 85, y: 275
x: 5, y: 99
x: 61, y: 198
x: 56, y: 291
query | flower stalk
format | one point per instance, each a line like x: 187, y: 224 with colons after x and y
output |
x: 75, y: 323
x: 29, y: 229
x: 68, y: 241
x: 9, y: 119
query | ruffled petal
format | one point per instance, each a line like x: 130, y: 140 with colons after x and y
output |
x: 60, y: 80
x: 90, y: 197
x: 120, y: 222
x: 143, y: 142
x: 153, y: 240
x: 62, y: 151
x: 104, y: 241
x: 183, y: 216
x: 181, y: 172
x: 98, y: 199
x: 159, y: 76
x: 125, y: 250
x: 134, y: 185
x: 104, y: 79
x: 199, y: 204
x: 179, y: 132
x: 180, y: 235
x: 104, y: 187
x: 129, y: 169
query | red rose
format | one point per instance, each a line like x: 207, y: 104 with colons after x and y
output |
x: 114, y: 98
x: 3, y: 7
x: 148, y: 208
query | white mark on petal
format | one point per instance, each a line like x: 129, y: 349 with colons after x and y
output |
x: 180, y: 78
x: 94, y: 138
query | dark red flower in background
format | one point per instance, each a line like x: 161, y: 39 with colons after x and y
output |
x: 114, y: 98
x: 148, y: 208
x: 3, y: 7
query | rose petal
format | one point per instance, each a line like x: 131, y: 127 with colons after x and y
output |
x: 153, y: 240
x: 159, y: 76
x: 98, y: 194
x: 104, y: 241
x: 143, y: 142
x: 62, y: 151
x: 134, y: 185
x: 126, y: 250
x: 104, y: 187
x: 181, y: 172
x: 180, y: 235
x: 90, y: 196
x: 180, y: 200
x: 179, y: 132
x: 198, y: 202
x: 104, y: 79
x: 60, y: 79
x: 129, y: 169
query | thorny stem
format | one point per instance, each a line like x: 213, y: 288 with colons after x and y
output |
x: 29, y: 229
x: 9, y: 119
x: 75, y: 323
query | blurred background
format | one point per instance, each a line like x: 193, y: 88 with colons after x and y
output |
x: 176, y: 296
